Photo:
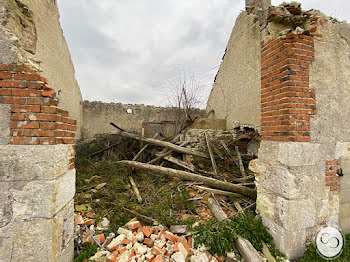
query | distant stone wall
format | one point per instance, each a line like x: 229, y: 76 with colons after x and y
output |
x: 98, y: 115
x: 37, y: 174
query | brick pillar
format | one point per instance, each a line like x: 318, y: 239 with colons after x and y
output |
x: 37, y: 174
x: 287, y: 102
x: 290, y: 171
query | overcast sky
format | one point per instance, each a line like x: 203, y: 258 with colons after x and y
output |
x: 129, y: 50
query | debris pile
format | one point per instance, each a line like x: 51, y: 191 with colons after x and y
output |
x: 134, y: 242
x: 160, y: 181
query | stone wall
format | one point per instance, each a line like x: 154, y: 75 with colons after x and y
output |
x: 31, y: 34
x: 235, y: 95
x: 98, y: 115
x: 302, y: 172
x: 37, y: 175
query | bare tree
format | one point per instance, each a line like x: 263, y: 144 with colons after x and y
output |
x: 185, y: 96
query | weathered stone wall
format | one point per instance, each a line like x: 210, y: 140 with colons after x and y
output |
x: 330, y: 77
x: 37, y: 175
x: 98, y: 115
x: 30, y: 34
x: 236, y: 92
x: 304, y: 128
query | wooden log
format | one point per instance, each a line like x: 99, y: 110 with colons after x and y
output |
x: 143, y: 149
x: 247, y: 250
x: 192, y: 177
x: 212, y: 158
x: 241, y: 166
x: 166, y: 153
x: 229, y: 153
x: 219, y: 192
x: 216, y: 209
x: 136, y: 190
x: 161, y: 143
x: 180, y: 163
x: 147, y: 219
x: 217, y: 151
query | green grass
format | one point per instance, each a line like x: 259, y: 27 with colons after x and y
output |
x: 86, y: 252
x: 220, y: 238
x: 311, y: 254
x: 163, y: 197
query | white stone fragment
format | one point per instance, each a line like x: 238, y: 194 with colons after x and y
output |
x: 116, y: 241
x: 123, y: 231
x: 178, y: 257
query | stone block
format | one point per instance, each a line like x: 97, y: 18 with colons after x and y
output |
x: 4, y: 124
x: 41, y: 199
x: 299, y: 154
x: 37, y: 162
x: 281, y: 181
x: 342, y: 150
x: 38, y: 240
x: 266, y: 202
x: 290, y: 153
x: 290, y: 241
x: 296, y: 214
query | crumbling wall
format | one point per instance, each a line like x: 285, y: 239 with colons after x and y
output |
x: 330, y: 77
x: 37, y: 175
x: 31, y: 34
x: 236, y: 92
x: 304, y: 127
x: 98, y: 115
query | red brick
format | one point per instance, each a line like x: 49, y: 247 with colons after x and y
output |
x: 29, y: 77
x: 25, y: 108
x: 43, y: 79
x: 134, y: 225
x: 148, y: 242
x: 47, y: 141
x: 40, y: 133
x: 100, y: 238
x: 125, y: 241
x: 49, y: 109
x: 25, y: 124
x: 25, y: 92
x: 157, y: 251
x: 4, y: 75
x: 65, y: 140
x: 38, y: 101
x: 24, y: 141
x: 5, y: 92
x: 47, y: 125
x: 89, y: 222
x: 170, y: 236
x: 62, y: 112
x: 32, y: 85
x: 71, y: 128
x: 18, y: 117
x: 14, y: 84
x: 146, y: 231
x: 14, y: 100
x: 17, y: 132
x: 46, y: 117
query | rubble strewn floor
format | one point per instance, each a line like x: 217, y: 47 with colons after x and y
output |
x: 106, y: 201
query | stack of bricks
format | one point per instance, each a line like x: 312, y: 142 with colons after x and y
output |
x: 287, y: 102
x: 332, y: 177
x: 35, y: 117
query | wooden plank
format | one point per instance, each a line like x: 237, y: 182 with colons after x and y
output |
x: 192, y: 177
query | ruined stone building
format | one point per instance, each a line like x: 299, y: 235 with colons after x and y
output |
x: 286, y: 73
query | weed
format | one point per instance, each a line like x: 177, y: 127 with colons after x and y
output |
x: 87, y: 251
x: 311, y: 254
x: 219, y: 238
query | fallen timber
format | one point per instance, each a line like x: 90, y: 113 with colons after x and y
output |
x: 160, y: 143
x: 192, y: 177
